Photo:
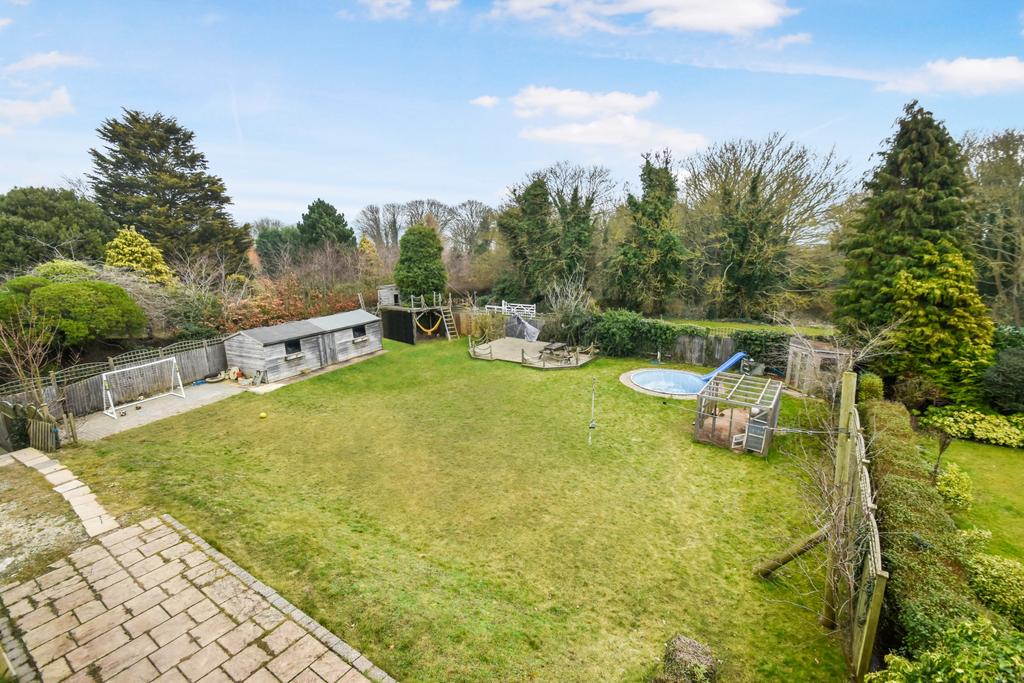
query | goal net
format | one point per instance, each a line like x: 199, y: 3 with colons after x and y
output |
x: 130, y: 386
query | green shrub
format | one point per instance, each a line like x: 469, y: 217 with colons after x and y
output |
x: 973, y: 424
x: 969, y: 652
x: 624, y: 333
x: 24, y: 284
x: 1008, y: 337
x: 1003, y: 381
x: 869, y: 387
x: 921, y: 546
x: 764, y: 346
x: 65, y: 270
x: 84, y: 311
x: 954, y: 485
x: 999, y: 583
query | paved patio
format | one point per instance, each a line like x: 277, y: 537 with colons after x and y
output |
x: 512, y: 349
x: 154, y: 602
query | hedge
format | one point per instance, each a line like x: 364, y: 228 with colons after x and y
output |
x: 625, y: 333
x: 765, y: 346
x: 962, y: 422
x: 921, y: 547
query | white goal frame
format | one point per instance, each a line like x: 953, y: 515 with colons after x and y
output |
x: 110, y: 407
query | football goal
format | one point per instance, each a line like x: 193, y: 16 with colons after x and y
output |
x: 130, y: 386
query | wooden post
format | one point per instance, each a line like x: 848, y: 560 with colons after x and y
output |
x: 841, y: 495
x: 766, y: 568
x: 862, y: 659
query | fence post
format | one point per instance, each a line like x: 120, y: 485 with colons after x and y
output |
x: 840, y: 497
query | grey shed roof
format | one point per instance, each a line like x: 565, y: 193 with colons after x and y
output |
x: 275, y: 334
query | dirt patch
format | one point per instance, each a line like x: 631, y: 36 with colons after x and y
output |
x: 37, y: 526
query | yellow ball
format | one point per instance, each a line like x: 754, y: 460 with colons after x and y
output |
x: 263, y: 416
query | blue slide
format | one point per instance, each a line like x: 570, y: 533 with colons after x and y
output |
x: 736, y: 358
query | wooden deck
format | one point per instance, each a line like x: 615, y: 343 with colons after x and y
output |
x: 527, y: 353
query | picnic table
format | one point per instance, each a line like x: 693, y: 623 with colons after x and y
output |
x: 553, y: 348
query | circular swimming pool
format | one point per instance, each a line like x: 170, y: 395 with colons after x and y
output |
x: 668, y: 382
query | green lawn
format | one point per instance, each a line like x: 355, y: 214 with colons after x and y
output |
x: 806, y: 330
x: 997, y: 474
x: 445, y: 516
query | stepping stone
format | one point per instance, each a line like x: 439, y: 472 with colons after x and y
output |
x: 100, y: 524
x: 60, y: 477
x: 68, y: 486
x: 5, y: 460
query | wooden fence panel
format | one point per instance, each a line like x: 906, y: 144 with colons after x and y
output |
x: 711, y: 350
x: 42, y: 435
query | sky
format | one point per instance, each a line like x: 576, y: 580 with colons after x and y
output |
x: 374, y: 101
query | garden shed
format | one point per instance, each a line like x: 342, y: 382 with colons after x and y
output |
x: 280, y: 351
x: 739, y: 412
x: 814, y: 366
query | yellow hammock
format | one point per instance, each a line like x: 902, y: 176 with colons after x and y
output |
x: 433, y: 329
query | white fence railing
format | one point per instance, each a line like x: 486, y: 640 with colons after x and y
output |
x: 507, y: 308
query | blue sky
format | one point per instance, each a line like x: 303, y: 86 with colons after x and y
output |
x: 370, y: 101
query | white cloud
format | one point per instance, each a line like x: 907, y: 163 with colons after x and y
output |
x: 5, y: 22
x: 782, y: 42
x: 963, y: 75
x: 387, y: 9
x: 485, y: 101
x: 534, y: 101
x: 46, y: 60
x: 712, y: 16
x: 21, y: 112
x: 441, y: 5
x: 624, y: 131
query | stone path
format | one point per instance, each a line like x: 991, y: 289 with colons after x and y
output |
x: 64, y: 482
x: 154, y: 602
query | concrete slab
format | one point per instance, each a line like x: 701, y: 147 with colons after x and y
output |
x: 266, y: 388
x: 99, y: 425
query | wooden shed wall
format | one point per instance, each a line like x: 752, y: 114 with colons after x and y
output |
x: 278, y: 368
x: 345, y: 347
x: 245, y: 353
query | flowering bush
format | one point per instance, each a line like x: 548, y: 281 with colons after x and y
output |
x: 954, y: 485
x: 975, y: 425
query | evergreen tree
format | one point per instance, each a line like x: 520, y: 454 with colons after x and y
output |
x: 648, y: 266
x: 36, y: 222
x: 149, y: 174
x: 420, y: 270
x: 134, y: 252
x: 532, y: 236
x: 322, y: 224
x: 904, y: 260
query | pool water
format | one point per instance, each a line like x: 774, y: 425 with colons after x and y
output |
x: 668, y: 381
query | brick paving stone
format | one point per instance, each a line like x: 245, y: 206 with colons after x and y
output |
x: 244, y: 605
x: 142, y: 602
x: 73, y: 600
x: 262, y: 676
x: 269, y: 618
x: 224, y: 589
x: 150, y: 523
x: 129, y: 558
x: 182, y: 601
x: 19, y: 591
x: 36, y: 617
x: 175, y: 585
x: 195, y: 558
x: 146, y: 566
x: 178, y: 551
x: 198, y: 570
x: 89, y: 610
x: 54, y: 577
x: 307, y: 676
x: 300, y: 655
x: 119, y: 575
x: 97, y: 647
x: 212, y: 629
x: 97, y: 570
x: 120, y: 592
x: 283, y: 636
x: 88, y: 555
x: 203, y: 610
x: 125, y: 656
x: 100, y: 524
x: 362, y: 663
x: 55, y: 671
x: 162, y: 543
x: 69, y: 585
x: 202, y: 662
x: 173, y: 676
x: 50, y: 629
x: 173, y: 652
x: 172, y: 628
x: 215, y: 676
x: 53, y: 648
x: 237, y: 638
x: 241, y: 666
x: 158, y: 576
x: 353, y: 676
x: 120, y: 536
x: 330, y: 667
x: 23, y: 606
x: 100, y: 624
x: 139, y: 672
x: 149, y: 619
x: 156, y: 534
x: 126, y: 546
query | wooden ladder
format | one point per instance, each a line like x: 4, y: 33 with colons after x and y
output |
x: 449, y: 323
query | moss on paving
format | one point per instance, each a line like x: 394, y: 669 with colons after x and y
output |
x: 445, y: 516
x: 997, y: 474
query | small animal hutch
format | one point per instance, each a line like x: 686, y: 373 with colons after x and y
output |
x: 814, y: 367
x: 281, y: 351
x: 739, y: 412
x: 413, y: 319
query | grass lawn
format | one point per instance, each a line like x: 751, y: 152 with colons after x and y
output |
x: 445, y: 516
x: 997, y: 474
x: 806, y: 330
